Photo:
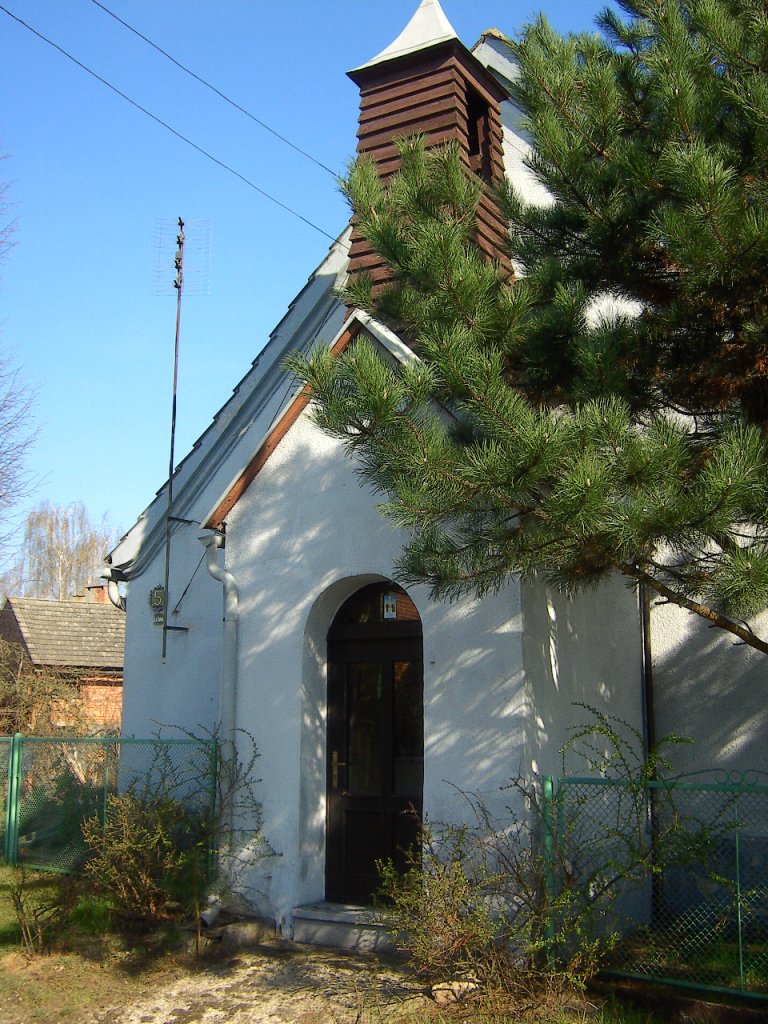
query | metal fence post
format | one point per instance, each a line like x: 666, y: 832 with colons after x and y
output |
x: 12, y: 806
x: 105, y: 800
x: 739, y: 902
x: 548, y: 852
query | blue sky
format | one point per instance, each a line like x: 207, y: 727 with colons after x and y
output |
x: 92, y: 181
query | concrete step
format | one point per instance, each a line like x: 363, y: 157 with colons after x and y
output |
x: 343, y: 925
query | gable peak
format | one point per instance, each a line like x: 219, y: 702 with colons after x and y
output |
x: 428, y: 27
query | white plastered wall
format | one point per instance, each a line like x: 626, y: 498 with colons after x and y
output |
x: 304, y: 537
x: 712, y: 689
x: 182, y: 693
x: 582, y: 650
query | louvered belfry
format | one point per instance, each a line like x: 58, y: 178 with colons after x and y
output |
x: 428, y: 83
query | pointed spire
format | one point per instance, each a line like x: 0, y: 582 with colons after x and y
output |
x: 428, y: 27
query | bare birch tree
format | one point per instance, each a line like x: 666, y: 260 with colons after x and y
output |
x: 16, y: 431
x: 62, y: 550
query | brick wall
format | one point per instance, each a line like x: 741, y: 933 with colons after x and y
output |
x: 102, y: 702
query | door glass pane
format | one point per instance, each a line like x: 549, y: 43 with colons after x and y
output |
x: 363, y: 733
x: 408, y: 728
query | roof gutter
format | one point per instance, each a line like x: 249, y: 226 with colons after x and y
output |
x: 114, y: 576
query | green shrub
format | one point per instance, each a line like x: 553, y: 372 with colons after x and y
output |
x: 473, y: 903
x: 150, y: 857
x: 160, y: 846
x: 438, y: 908
x: 520, y: 900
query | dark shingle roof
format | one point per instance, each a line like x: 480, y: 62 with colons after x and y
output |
x: 73, y: 633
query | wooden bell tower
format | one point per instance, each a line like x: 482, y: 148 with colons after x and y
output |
x: 428, y: 83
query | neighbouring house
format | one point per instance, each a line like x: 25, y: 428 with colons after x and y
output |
x: 366, y: 700
x: 77, y: 644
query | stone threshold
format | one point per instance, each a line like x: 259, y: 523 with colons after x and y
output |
x: 344, y: 925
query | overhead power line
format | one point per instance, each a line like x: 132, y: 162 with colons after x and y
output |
x: 213, y: 88
x: 168, y: 127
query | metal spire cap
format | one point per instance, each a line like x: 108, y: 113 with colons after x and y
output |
x: 428, y: 27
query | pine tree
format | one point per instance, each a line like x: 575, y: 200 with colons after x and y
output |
x: 605, y: 409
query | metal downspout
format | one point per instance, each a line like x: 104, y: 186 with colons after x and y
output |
x: 648, y: 710
x: 228, y: 693
x: 649, y: 738
x: 112, y: 578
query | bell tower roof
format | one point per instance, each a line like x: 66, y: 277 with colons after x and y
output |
x: 428, y: 27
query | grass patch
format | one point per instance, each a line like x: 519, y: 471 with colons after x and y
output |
x: 42, y: 888
x: 91, y: 967
x: 68, y: 988
x: 86, y: 968
x: 10, y: 933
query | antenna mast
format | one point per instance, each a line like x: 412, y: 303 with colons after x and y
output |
x: 178, y: 262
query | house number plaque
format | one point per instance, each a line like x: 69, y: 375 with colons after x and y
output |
x: 157, y: 603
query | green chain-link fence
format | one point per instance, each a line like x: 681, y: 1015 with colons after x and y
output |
x: 691, y: 856
x: 687, y: 858
x: 5, y: 754
x: 54, y: 785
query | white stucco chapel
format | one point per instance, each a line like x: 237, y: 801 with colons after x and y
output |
x: 371, y: 706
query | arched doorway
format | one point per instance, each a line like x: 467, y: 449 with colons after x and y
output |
x: 375, y: 749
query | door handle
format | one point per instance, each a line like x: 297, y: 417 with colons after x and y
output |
x: 335, y: 765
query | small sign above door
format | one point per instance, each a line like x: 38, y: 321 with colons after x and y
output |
x: 389, y: 606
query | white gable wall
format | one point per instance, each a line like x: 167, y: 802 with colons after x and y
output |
x: 185, y: 690
x: 302, y: 539
x: 305, y: 536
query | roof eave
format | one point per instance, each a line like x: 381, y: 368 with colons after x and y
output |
x: 357, y: 322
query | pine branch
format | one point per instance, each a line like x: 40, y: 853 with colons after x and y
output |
x: 584, y: 441
x: 744, y: 633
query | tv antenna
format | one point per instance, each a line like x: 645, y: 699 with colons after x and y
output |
x: 183, y: 233
x: 178, y: 284
x: 196, y: 246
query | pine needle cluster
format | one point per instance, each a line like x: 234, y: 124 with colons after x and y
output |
x: 605, y: 411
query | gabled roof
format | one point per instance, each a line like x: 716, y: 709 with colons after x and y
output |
x: 358, y: 323
x: 216, y: 460
x: 245, y: 431
x: 66, y: 633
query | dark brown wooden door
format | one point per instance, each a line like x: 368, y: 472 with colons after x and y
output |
x: 375, y: 748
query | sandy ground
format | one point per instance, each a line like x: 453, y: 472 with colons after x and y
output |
x: 278, y: 984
